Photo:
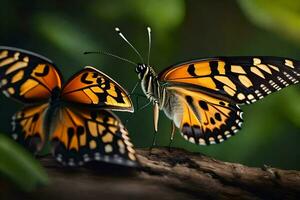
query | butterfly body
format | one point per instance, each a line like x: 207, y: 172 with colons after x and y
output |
x: 75, y: 117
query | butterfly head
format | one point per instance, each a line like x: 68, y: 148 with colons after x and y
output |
x: 141, y: 69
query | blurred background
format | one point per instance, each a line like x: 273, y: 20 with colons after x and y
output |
x: 182, y: 30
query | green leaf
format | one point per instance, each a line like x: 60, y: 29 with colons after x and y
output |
x: 19, y: 166
x: 282, y: 16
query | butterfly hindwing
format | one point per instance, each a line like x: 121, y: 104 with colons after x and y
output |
x: 27, y: 127
x: 26, y: 76
x: 239, y: 79
x: 81, y: 135
x: 202, y: 119
x: 93, y: 88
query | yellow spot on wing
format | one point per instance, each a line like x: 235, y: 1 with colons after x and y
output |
x: 97, y: 89
x: 130, y: 149
x: 17, y: 76
x: 111, y: 101
x: 121, y: 144
x: 229, y: 91
x: 289, y: 63
x: 131, y: 156
x: 202, y: 69
x: 93, y: 97
x: 26, y: 59
x: 11, y: 90
x: 112, y: 91
x: 3, y: 54
x: 17, y: 54
x: 112, y: 129
x: 265, y: 68
x: 225, y: 80
x: 241, y: 96
x: 128, y: 143
x: 93, y: 144
x: 39, y: 68
x: 93, y: 128
x: 245, y: 81
x: 274, y: 67
x: 250, y: 96
x: 16, y: 66
x: 107, y: 138
x: 108, y: 148
x: 237, y: 69
x: 256, y: 61
x: 7, y: 61
x: 100, y: 129
x: 3, y: 82
x: 221, y: 67
x: 256, y: 71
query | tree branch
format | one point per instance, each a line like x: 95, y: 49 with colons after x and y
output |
x: 170, y: 175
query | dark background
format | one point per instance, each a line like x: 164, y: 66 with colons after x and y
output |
x: 182, y: 30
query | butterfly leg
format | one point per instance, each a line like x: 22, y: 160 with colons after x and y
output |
x: 172, y: 134
x: 155, y: 123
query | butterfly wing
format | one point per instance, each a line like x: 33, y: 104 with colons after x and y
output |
x: 91, y: 87
x: 202, y: 95
x: 202, y: 119
x: 26, y: 76
x: 238, y: 79
x: 27, y: 127
x: 81, y: 135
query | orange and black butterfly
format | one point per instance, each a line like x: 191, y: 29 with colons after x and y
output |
x: 202, y: 97
x: 74, y: 116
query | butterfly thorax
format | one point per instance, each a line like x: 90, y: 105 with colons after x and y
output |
x: 55, y: 96
x: 51, y: 113
x: 149, y: 83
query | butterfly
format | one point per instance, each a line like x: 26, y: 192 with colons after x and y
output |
x: 202, y: 96
x: 74, y: 117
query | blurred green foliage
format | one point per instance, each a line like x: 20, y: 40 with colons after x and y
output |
x: 281, y: 16
x: 182, y: 30
x: 19, y: 166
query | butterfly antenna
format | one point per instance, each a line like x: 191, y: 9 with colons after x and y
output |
x: 112, y: 55
x: 125, y: 39
x: 149, y: 44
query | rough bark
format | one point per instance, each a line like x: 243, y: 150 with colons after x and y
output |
x: 169, y: 175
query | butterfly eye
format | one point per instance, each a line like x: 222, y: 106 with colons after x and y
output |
x: 140, y: 68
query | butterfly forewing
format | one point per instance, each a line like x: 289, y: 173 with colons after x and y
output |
x: 27, y: 127
x: 81, y: 136
x: 27, y: 77
x: 238, y: 79
x: 93, y: 88
x: 202, y: 119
